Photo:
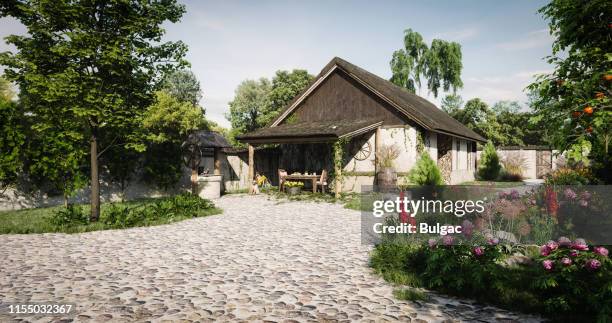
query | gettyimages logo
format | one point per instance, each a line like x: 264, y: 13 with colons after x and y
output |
x: 522, y: 215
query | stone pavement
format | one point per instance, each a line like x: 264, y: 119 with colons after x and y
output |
x: 262, y: 259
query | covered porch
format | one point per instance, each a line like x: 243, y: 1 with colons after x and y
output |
x: 311, y: 147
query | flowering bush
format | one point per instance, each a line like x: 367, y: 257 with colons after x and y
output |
x: 570, y: 176
x: 574, y: 278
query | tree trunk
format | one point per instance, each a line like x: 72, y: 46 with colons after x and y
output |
x: 95, y: 181
x: 65, y: 200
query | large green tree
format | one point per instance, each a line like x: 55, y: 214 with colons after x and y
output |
x: 574, y: 100
x: 93, y: 64
x: 257, y: 103
x: 12, y: 139
x: 440, y: 64
x: 184, y: 86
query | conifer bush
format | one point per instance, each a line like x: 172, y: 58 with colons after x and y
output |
x: 489, y: 167
x: 426, y: 172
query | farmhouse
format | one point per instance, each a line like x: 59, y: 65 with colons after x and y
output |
x: 348, y: 104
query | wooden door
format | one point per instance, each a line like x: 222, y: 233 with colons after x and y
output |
x: 543, y: 163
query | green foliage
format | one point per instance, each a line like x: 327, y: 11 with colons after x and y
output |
x: 257, y: 103
x: 162, y: 165
x: 170, y: 120
x: 6, y: 91
x: 489, y: 166
x: 452, y: 103
x: 574, y: 101
x: 183, y: 86
x: 145, y: 212
x: 425, y: 172
x: 179, y: 206
x: 440, y: 64
x: 250, y: 99
x: 11, y: 143
x: 570, y: 176
x: 88, y: 70
x: 71, y: 215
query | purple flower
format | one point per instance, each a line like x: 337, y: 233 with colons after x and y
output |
x: 493, y: 241
x: 574, y: 253
x: 448, y: 240
x: 585, y: 195
x: 601, y: 251
x: 566, y: 261
x: 569, y: 194
x: 432, y: 243
x: 548, y: 264
x: 564, y: 242
x: 592, y: 264
x: 467, y: 228
x: 545, y: 250
x: 580, y: 244
x: 514, y: 194
x: 583, y: 203
x: 552, y: 245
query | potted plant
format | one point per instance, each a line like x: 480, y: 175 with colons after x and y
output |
x: 386, y: 175
x: 294, y: 188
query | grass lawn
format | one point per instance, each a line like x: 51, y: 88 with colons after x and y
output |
x: 494, y: 183
x: 38, y: 220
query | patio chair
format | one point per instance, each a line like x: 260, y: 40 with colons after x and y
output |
x: 281, y: 179
x: 322, y: 181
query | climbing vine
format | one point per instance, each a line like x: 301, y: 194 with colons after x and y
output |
x: 420, y: 145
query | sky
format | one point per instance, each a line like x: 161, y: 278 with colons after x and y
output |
x: 503, y: 42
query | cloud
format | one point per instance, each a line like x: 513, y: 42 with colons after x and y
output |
x: 458, y: 35
x: 532, y: 39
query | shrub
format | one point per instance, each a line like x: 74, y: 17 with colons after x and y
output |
x: 513, y: 168
x: 569, y: 176
x: 426, y: 172
x: 71, y: 215
x: 574, y: 279
x: 489, y: 167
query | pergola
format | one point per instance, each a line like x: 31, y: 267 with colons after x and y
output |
x: 311, y: 132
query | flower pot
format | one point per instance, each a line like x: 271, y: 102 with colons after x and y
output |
x: 386, y: 178
x: 294, y: 190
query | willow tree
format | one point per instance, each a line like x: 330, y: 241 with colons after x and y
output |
x: 94, y: 65
x: 439, y: 64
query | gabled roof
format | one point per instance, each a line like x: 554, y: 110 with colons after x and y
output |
x: 414, y: 107
x: 320, y: 131
x: 208, y: 139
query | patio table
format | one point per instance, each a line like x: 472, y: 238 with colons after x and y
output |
x: 312, y: 178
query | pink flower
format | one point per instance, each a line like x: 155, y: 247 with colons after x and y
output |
x: 468, y: 228
x: 566, y: 261
x: 580, y: 244
x: 585, y: 195
x: 583, y: 203
x: 592, y: 264
x: 478, y: 251
x: 573, y: 253
x: 548, y: 264
x: 432, y: 243
x: 569, y: 194
x: 545, y: 250
x: 552, y: 245
x: 493, y: 241
x: 448, y: 240
x: 564, y: 242
x: 601, y: 251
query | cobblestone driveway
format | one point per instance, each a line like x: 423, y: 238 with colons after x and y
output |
x: 260, y: 260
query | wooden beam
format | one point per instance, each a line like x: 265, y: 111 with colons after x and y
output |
x: 217, y: 161
x: 377, y: 143
x: 337, y: 169
x: 251, y: 167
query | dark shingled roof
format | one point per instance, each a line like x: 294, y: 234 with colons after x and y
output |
x: 415, y: 107
x: 208, y: 139
x: 311, y: 131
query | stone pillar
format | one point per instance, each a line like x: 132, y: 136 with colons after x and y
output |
x: 251, y: 167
